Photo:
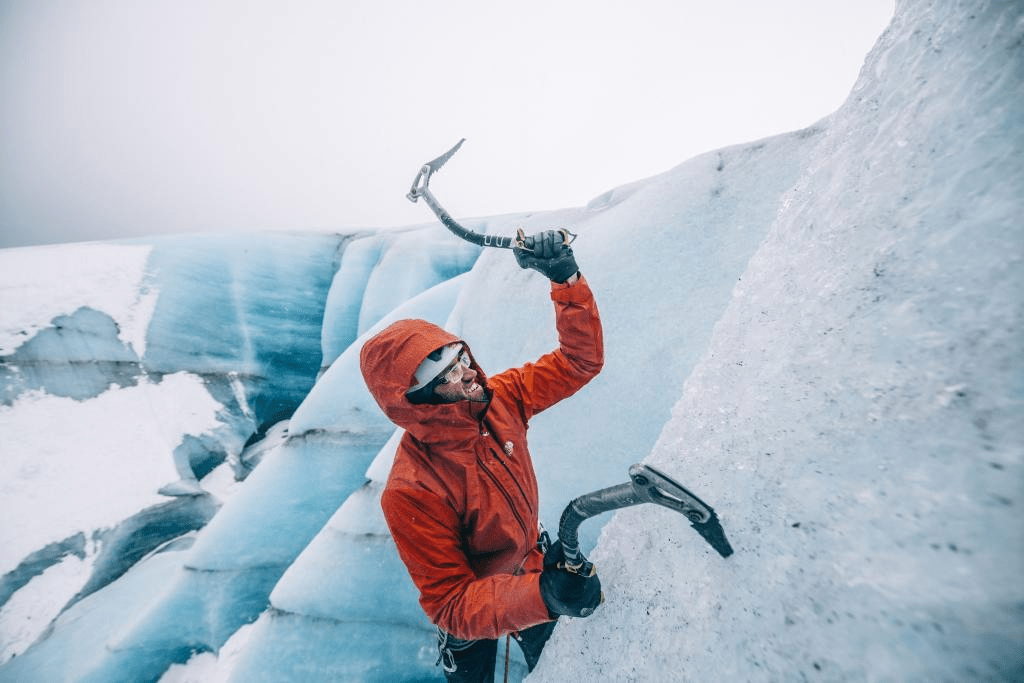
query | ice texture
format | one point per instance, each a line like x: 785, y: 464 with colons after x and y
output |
x: 246, y: 308
x: 818, y: 333
x: 856, y: 417
x: 381, y: 271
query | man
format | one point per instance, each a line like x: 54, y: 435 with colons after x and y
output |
x: 461, y: 501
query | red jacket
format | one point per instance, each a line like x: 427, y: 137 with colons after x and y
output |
x: 461, y: 500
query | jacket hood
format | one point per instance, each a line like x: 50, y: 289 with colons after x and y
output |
x: 388, y: 362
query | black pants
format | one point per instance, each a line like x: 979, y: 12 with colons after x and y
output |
x: 472, y: 661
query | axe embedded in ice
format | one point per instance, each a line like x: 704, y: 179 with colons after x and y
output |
x: 646, y: 485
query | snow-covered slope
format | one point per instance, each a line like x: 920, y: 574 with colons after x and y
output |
x: 818, y: 332
x: 858, y: 417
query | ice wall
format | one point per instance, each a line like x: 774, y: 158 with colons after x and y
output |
x: 243, y: 314
x: 379, y: 272
x: 128, y: 371
x: 235, y: 307
x: 153, y: 361
x: 856, y: 417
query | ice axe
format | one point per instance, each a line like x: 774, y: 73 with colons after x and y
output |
x: 645, y: 485
x: 421, y: 188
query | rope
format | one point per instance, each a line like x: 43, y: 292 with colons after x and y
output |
x: 508, y: 639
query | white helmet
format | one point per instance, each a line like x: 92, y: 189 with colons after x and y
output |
x: 434, y: 364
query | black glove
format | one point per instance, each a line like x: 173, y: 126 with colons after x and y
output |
x: 548, y: 253
x: 564, y: 592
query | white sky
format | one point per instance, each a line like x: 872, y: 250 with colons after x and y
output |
x: 122, y: 118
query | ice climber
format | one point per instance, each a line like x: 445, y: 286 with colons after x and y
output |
x: 461, y: 500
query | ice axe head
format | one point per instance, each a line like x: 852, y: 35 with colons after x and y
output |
x: 422, y: 179
x: 651, y: 486
x: 645, y: 485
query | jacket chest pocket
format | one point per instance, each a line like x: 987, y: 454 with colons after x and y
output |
x: 501, y: 520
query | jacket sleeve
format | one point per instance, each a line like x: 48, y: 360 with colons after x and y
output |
x: 426, y: 533
x: 578, y: 358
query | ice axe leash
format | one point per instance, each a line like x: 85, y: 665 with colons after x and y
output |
x: 421, y: 188
x: 645, y: 485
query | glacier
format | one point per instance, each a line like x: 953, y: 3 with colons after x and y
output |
x: 818, y: 332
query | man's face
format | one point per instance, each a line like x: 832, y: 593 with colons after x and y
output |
x: 461, y: 386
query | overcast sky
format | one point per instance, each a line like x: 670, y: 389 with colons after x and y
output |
x: 124, y: 117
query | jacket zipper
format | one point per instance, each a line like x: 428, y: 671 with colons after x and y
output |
x: 486, y: 430
x: 508, y: 498
x: 513, y: 478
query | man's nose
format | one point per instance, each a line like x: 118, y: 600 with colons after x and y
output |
x: 468, y: 374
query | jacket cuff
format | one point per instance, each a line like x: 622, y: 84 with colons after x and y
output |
x: 577, y: 291
x: 535, y: 610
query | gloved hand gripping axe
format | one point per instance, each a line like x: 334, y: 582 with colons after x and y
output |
x: 646, y: 485
x: 421, y: 188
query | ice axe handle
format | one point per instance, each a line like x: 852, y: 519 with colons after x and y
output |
x: 582, y: 509
x: 421, y: 188
x: 479, y: 239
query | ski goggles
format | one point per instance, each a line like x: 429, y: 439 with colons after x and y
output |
x: 453, y: 373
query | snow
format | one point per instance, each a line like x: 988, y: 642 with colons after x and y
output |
x: 70, y: 466
x: 61, y: 279
x: 29, y: 611
x: 818, y: 333
x: 206, y: 667
x: 88, y: 457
